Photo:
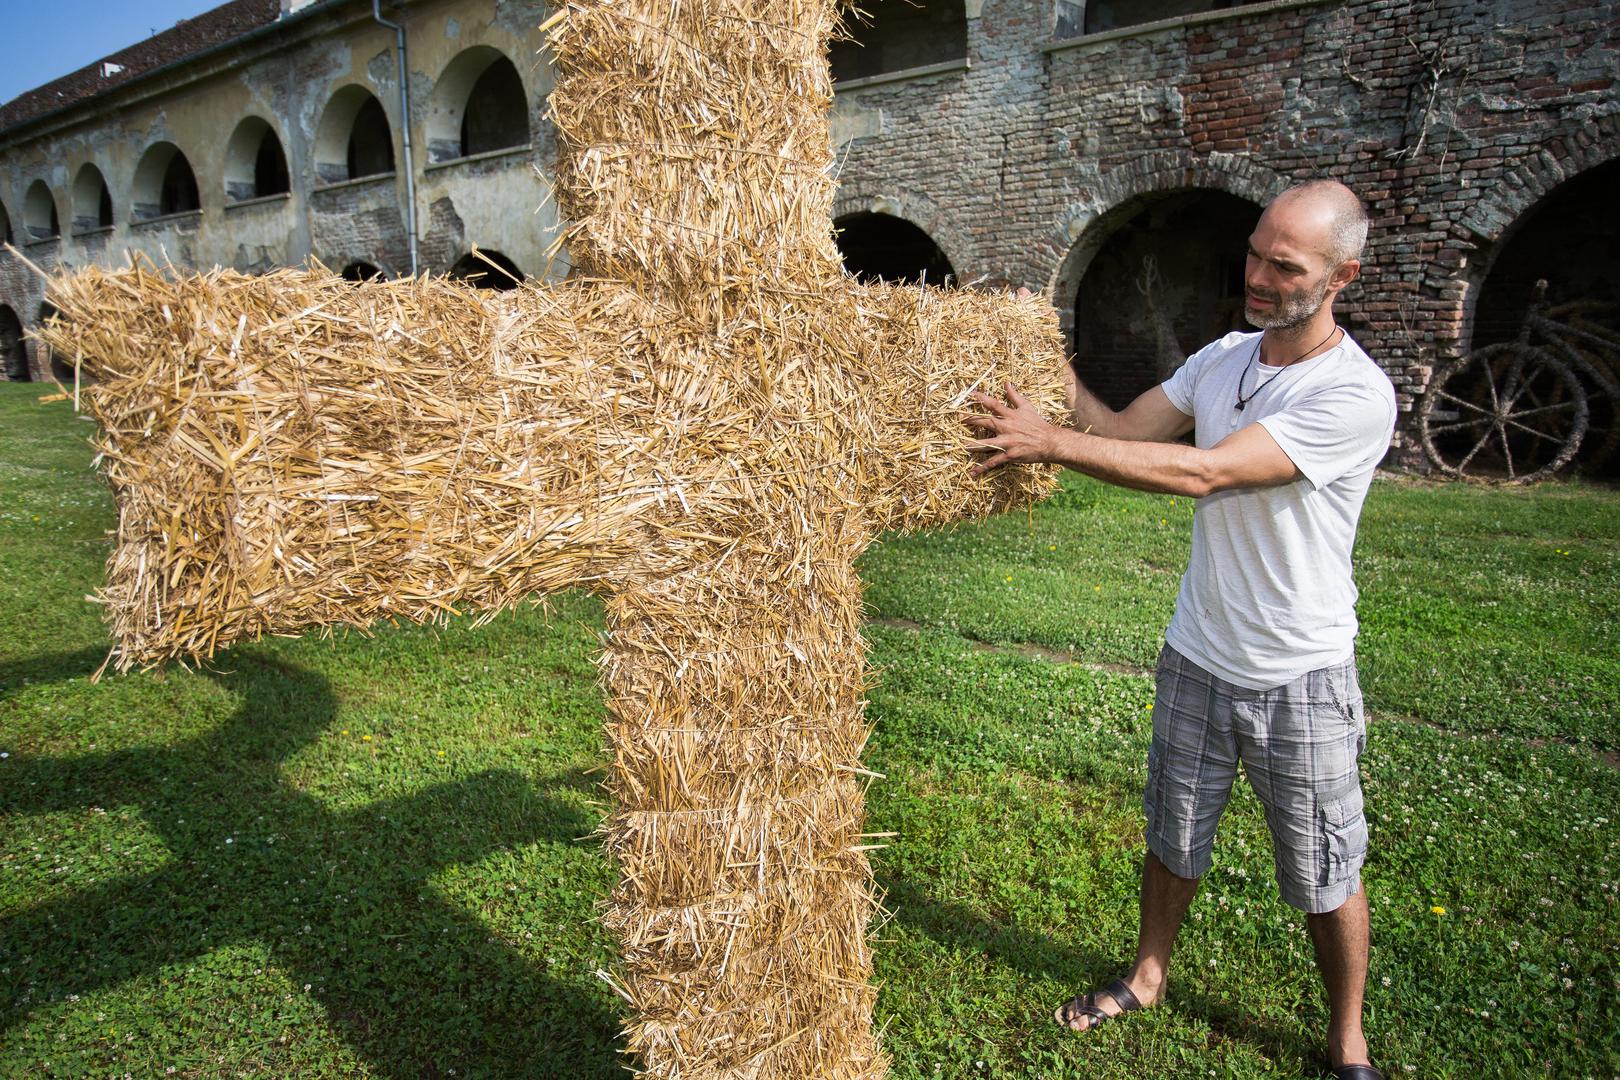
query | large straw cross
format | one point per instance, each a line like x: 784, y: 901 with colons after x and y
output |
x: 707, y: 426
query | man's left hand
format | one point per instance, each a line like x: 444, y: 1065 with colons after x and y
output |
x: 1012, y: 431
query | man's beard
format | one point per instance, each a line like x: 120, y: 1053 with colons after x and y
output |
x: 1287, y: 314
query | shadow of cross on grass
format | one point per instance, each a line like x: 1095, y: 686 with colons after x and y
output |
x: 339, y: 899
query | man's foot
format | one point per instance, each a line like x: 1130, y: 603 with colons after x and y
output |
x: 1349, y: 1047
x: 1357, y: 1072
x: 1086, y: 1011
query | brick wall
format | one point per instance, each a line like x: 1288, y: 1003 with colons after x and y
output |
x: 1452, y: 118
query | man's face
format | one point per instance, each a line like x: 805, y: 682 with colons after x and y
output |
x: 1288, y: 274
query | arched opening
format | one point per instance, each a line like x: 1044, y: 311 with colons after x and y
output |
x: 486, y: 269
x: 39, y: 213
x: 255, y: 165
x: 899, y: 35
x: 92, y: 201
x: 164, y: 184
x: 1166, y: 280
x: 363, y: 271
x: 5, y: 225
x: 881, y: 247
x: 479, y: 105
x: 353, y: 139
x: 13, y: 351
x: 1571, y: 240
x: 60, y: 370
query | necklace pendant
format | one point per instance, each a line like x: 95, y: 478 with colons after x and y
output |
x: 1239, y: 406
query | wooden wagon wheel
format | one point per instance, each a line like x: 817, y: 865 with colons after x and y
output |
x: 1602, y: 439
x: 1510, y: 412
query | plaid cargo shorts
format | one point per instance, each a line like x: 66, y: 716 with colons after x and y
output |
x: 1299, y: 744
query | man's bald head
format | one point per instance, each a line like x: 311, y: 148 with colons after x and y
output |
x: 1339, y: 213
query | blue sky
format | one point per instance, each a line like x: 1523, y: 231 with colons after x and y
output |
x: 46, y: 39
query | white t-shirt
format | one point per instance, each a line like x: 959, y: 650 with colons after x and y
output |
x: 1268, y: 595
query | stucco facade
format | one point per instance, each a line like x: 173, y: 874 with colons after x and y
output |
x: 296, y: 75
x: 1109, y: 153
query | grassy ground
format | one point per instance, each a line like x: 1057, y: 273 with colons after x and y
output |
x: 364, y: 857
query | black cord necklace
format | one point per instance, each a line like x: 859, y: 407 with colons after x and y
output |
x: 1243, y: 400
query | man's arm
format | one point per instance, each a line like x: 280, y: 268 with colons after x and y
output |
x: 1016, y: 432
x: 1150, y: 416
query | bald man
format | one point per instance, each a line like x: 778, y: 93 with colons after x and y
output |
x: 1258, y: 664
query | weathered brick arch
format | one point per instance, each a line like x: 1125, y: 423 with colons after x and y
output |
x: 1507, y: 199
x: 1084, y: 227
x: 917, y: 209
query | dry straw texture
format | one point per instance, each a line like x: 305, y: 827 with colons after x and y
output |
x: 706, y: 426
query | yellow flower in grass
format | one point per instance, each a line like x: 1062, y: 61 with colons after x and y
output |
x: 1438, y: 910
x: 365, y: 738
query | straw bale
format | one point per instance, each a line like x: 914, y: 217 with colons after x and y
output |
x: 707, y: 427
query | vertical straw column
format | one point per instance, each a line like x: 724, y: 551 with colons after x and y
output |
x: 744, y: 893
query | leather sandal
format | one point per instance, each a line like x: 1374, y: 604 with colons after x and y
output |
x: 1357, y: 1072
x: 1086, y: 1005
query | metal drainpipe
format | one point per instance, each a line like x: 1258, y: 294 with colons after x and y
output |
x: 405, y: 124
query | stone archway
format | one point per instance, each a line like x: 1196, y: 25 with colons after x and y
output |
x: 1570, y: 239
x: 487, y: 269
x: 46, y: 360
x: 255, y: 162
x: 13, y: 350
x: 479, y: 105
x: 40, y: 220
x: 354, y: 138
x: 92, y: 200
x: 164, y: 184
x: 1084, y: 227
x: 1164, y: 280
x: 882, y: 247
x: 361, y: 271
x: 1492, y: 222
x: 921, y: 212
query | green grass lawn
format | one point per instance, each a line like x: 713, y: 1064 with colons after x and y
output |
x: 372, y: 856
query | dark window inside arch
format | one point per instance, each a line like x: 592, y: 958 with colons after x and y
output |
x: 1571, y: 238
x: 900, y: 34
x: 362, y: 271
x: 880, y: 247
x: 270, y: 167
x: 1097, y: 16
x: 477, y: 269
x: 371, y: 144
x: 497, y: 113
x: 5, y: 226
x: 1166, y: 282
x: 39, y: 213
x: 92, y: 209
x: 179, y: 192
x: 13, y: 350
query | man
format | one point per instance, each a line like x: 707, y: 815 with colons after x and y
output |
x: 1258, y: 663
